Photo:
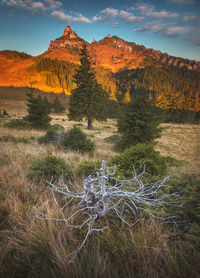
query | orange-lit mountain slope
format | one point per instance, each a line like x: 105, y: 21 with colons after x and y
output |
x: 109, y: 55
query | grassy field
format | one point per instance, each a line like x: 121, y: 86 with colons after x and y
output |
x: 33, y: 248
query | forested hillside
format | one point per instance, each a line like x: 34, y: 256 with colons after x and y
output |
x: 172, y: 87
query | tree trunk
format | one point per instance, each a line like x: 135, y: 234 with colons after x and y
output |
x: 90, y: 126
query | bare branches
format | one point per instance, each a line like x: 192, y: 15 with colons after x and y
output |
x: 106, y: 195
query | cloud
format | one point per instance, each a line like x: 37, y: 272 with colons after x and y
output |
x: 65, y: 18
x: 191, y: 18
x: 165, y: 29
x: 148, y: 10
x: 38, y: 6
x: 54, y: 4
x: 183, y: 2
x: 115, y: 25
x: 195, y: 40
x: 81, y: 18
x: 15, y: 3
x: 175, y: 31
x: 105, y: 15
x: 33, y: 5
x: 151, y: 27
x: 130, y: 18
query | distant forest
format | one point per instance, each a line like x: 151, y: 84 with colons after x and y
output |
x: 171, y: 87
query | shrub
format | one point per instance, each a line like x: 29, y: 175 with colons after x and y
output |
x: 87, y: 168
x: 139, y: 123
x: 57, y: 128
x: 50, y: 167
x: 38, y: 111
x: 77, y: 140
x: 54, y: 133
x: 9, y: 138
x: 189, y: 186
x: 4, y: 114
x: 171, y: 161
x: 135, y: 155
x: 18, y: 124
x: 112, y: 139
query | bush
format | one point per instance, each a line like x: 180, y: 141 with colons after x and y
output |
x: 18, y: 124
x: 135, y: 155
x: 189, y: 188
x: 77, y: 140
x: 50, y: 167
x: 38, y: 111
x: 4, y: 114
x: 87, y: 168
x: 112, y: 139
x: 9, y: 138
x: 139, y: 123
x: 54, y: 134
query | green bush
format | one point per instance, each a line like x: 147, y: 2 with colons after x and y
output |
x: 4, y: 114
x: 112, y: 139
x: 189, y: 188
x: 49, y: 167
x: 51, y: 134
x: 77, y: 140
x: 171, y: 161
x: 18, y: 124
x: 9, y: 138
x: 135, y: 155
x: 139, y: 121
x: 87, y: 168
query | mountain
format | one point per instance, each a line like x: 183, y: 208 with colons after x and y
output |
x: 112, y: 52
x: 120, y: 68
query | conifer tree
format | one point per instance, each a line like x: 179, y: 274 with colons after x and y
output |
x: 48, y: 104
x: 38, y: 112
x: 139, y: 122
x: 57, y: 106
x: 88, y: 100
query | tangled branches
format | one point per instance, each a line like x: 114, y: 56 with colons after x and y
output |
x: 106, y: 195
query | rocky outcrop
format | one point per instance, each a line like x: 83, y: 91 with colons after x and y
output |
x: 112, y: 52
x: 69, y: 40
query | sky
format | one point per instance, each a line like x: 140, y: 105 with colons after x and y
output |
x: 171, y: 26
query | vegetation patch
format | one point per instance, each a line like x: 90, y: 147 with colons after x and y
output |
x: 77, y: 140
x: 18, y: 124
x: 48, y: 168
x: 87, y: 168
x: 113, y: 139
x: 136, y: 156
x: 54, y: 134
x: 189, y: 213
x: 9, y: 138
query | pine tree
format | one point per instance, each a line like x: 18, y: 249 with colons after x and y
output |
x: 57, y: 106
x: 88, y: 100
x: 139, y: 123
x: 48, y: 104
x: 38, y: 112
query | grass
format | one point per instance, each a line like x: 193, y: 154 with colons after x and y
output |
x: 181, y: 141
x: 33, y: 248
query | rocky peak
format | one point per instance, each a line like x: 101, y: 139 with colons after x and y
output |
x: 115, y: 53
x: 69, y: 40
x: 69, y: 33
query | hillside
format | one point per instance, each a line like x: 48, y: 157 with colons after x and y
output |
x: 120, y: 67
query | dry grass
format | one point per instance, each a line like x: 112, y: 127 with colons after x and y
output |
x: 32, y: 248
x: 181, y: 141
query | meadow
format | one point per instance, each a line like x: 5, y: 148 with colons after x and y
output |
x: 33, y: 248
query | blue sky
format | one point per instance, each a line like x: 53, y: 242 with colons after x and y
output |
x: 172, y: 26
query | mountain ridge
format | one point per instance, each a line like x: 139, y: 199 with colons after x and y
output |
x: 113, y: 52
x: 120, y: 67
